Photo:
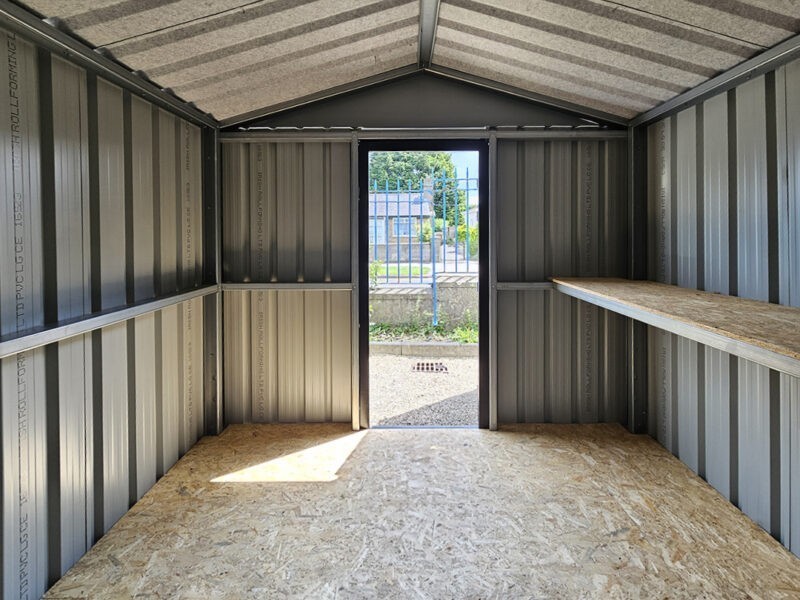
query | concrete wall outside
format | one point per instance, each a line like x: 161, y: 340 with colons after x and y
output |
x: 401, y: 251
x: 412, y: 304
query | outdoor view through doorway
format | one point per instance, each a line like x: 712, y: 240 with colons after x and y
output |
x: 423, y: 288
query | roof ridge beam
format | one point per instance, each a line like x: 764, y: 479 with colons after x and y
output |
x: 428, y: 21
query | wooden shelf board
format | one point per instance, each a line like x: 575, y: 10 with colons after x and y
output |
x: 765, y: 333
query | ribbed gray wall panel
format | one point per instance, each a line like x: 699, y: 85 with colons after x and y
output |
x: 170, y: 390
x: 790, y: 462
x: 689, y: 401
x: 661, y: 409
x: 716, y: 222
x: 751, y: 190
x: 82, y: 420
x: 22, y: 378
x: 21, y: 225
x: 754, y: 442
x: 287, y: 356
x: 191, y: 206
x: 236, y: 263
x: 76, y: 482
x: 145, y: 403
x: 142, y: 199
x: 114, y: 413
x: 718, y: 414
x: 191, y: 315
x: 561, y: 210
x: 111, y: 175
x: 686, y: 198
x: 660, y: 202
x: 169, y: 200
x: 286, y: 212
x: 723, y: 198
x: 560, y: 360
x: 790, y: 249
x: 71, y: 190
x: 24, y: 426
x: 73, y: 482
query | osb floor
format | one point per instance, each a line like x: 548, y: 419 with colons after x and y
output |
x: 553, y: 511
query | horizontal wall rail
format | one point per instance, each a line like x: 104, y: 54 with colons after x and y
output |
x: 275, y: 136
x: 41, y: 336
x: 524, y: 286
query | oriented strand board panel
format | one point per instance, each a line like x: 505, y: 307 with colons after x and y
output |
x: 587, y: 511
x: 762, y: 325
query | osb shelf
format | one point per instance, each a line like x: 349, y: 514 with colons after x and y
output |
x: 768, y: 334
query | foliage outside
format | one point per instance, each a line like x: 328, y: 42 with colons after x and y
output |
x: 404, y: 271
x: 473, y: 238
x: 463, y: 334
x: 406, y: 171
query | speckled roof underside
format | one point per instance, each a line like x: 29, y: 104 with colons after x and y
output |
x: 231, y: 57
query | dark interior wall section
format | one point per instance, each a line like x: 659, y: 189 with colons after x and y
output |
x: 421, y: 100
x: 102, y: 207
x: 724, y: 216
x: 561, y: 211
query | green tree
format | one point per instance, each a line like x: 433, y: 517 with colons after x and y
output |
x: 408, y: 166
x: 405, y: 170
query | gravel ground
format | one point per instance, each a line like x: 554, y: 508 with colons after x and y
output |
x: 400, y: 396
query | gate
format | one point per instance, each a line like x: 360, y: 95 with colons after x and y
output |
x: 422, y: 230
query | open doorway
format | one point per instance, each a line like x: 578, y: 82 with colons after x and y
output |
x: 420, y: 253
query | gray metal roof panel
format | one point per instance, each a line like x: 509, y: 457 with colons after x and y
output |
x: 232, y: 57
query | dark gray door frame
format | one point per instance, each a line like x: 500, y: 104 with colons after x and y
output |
x: 482, y: 147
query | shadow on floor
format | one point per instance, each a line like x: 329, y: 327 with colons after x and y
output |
x: 456, y: 411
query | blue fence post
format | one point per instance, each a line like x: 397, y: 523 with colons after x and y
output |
x: 397, y: 227
x: 386, y: 220
x: 421, y: 228
x: 375, y: 220
x: 444, y: 224
x: 468, y: 247
x: 455, y: 205
x: 434, y: 290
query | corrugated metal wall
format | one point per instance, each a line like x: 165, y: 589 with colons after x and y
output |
x: 724, y: 214
x: 561, y: 211
x: 287, y: 356
x: 286, y: 219
x: 101, y: 207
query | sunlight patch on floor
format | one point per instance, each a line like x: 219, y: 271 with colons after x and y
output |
x: 319, y: 463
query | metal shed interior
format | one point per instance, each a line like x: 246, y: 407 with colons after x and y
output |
x: 180, y: 240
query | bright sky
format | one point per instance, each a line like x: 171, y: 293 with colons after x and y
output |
x: 464, y: 161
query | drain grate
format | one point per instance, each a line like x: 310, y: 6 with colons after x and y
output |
x: 430, y: 367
